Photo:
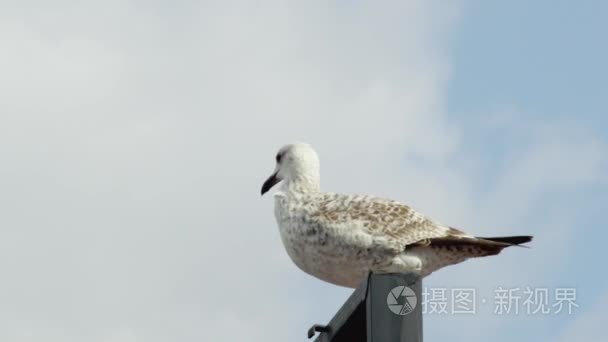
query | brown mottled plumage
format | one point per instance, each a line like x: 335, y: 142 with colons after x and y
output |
x: 339, y: 238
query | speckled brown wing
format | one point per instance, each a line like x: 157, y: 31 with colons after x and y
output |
x: 395, y: 221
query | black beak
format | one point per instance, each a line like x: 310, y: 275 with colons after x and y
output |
x: 270, y: 182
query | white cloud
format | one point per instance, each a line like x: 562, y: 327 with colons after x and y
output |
x: 133, y: 135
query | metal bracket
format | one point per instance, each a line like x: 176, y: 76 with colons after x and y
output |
x: 317, y: 328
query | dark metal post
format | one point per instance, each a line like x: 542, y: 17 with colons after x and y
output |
x: 384, y: 308
x: 393, y: 308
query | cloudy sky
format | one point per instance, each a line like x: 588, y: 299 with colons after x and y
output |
x: 135, y: 136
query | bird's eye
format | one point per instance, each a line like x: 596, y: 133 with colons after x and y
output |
x: 279, y: 156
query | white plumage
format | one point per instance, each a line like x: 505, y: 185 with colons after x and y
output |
x: 340, y: 238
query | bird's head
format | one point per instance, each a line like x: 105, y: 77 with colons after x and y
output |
x: 296, y: 164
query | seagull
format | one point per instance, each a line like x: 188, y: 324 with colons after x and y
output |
x: 340, y: 238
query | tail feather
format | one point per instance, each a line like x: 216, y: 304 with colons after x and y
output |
x: 476, y: 246
x: 440, y: 252
x: 511, y: 240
